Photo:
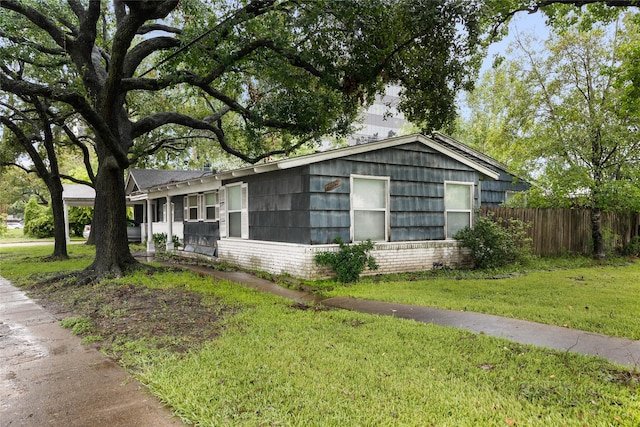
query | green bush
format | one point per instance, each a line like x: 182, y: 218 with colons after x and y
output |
x: 633, y: 247
x: 33, y: 210
x: 38, y: 220
x: 349, y: 261
x: 3, y: 224
x: 40, y: 227
x: 496, y: 242
x: 160, y: 241
x: 78, y: 218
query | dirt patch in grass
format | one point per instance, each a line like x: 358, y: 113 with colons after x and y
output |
x: 173, y: 319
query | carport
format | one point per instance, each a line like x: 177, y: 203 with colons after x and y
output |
x: 75, y: 195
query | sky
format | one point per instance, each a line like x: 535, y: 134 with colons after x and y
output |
x: 522, y: 23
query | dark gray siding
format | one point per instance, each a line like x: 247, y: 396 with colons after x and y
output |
x: 417, y: 180
x: 279, y: 206
x: 201, y: 237
x: 311, y: 204
x: 493, y: 191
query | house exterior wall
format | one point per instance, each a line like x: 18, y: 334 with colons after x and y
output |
x: 311, y: 204
x: 493, y: 192
x: 201, y: 237
x: 297, y: 260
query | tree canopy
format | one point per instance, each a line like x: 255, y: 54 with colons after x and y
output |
x: 262, y: 76
x: 567, y: 116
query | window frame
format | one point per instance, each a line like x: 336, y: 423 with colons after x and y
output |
x: 447, y: 210
x: 385, y: 209
x: 187, y: 208
x: 215, y: 206
x: 223, y: 200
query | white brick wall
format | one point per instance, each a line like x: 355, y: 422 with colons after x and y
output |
x: 298, y: 260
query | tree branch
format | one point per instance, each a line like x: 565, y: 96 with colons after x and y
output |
x: 503, y: 18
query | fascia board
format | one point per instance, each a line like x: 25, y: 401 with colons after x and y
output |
x: 462, y: 159
x: 343, y: 152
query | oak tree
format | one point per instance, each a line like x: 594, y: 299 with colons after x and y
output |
x: 271, y: 75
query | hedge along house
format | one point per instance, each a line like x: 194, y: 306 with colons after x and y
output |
x: 409, y: 194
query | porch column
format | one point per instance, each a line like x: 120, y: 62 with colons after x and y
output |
x: 151, y: 247
x: 66, y: 222
x: 169, y: 218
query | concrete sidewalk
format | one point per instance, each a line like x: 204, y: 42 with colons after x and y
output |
x: 617, y: 350
x: 48, y: 378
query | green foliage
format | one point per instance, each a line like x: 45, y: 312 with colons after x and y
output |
x: 496, y: 242
x: 349, y: 261
x: 633, y: 247
x: 33, y: 210
x: 160, y: 241
x: 78, y: 218
x: 38, y: 220
x: 40, y: 227
x: 3, y: 224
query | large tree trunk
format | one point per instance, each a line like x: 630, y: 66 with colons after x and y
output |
x: 596, y: 233
x: 57, y: 206
x: 109, y: 227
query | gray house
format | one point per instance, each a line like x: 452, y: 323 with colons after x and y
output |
x: 408, y: 194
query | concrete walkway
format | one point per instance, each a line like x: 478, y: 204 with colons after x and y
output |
x: 617, y: 350
x: 48, y: 378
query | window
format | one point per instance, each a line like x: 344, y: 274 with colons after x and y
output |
x: 161, y: 210
x: 191, y: 208
x: 369, y: 208
x: 211, y: 206
x: 458, y: 205
x: 233, y: 211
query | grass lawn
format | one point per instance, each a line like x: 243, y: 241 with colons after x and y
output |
x: 17, y: 236
x: 602, y: 299
x: 273, y: 362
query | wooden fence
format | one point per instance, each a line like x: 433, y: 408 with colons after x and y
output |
x: 561, y: 231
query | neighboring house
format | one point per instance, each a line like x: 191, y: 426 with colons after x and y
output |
x: 408, y: 194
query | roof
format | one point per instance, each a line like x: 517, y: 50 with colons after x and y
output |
x: 476, y: 162
x: 467, y: 151
x: 144, y: 179
x: 357, y: 149
x: 78, y: 195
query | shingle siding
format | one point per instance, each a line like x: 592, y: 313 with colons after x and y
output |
x: 311, y: 204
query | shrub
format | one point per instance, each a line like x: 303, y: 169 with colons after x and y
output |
x: 33, y: 210
x: 40, y: 227
x: 496, y: 242
x: 349, y: 261
x: 160, y: 241
x: 3, y: 224
x: 78, y: 218
x: 633, y: 247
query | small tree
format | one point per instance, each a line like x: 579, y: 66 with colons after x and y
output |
x: 349, y: 261
x: 496, y: 242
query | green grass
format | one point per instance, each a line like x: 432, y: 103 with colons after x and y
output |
x: 277, y: 364
x: 20, y: 263
x: 17, y: 236
x: 598, y: 299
